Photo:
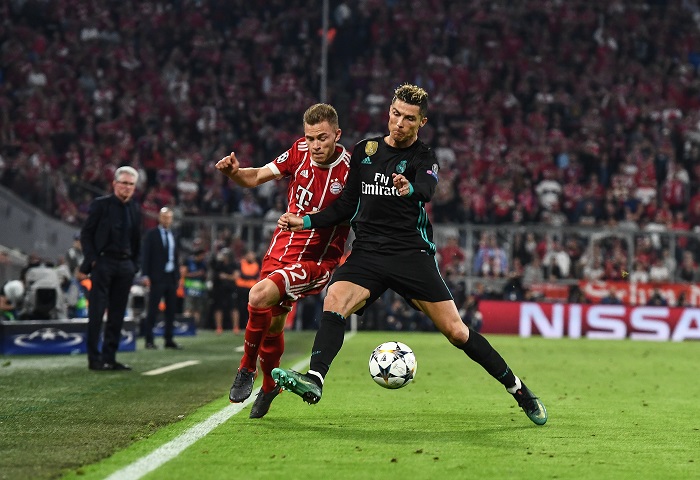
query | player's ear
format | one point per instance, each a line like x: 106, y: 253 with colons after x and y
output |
x: 337, y: 134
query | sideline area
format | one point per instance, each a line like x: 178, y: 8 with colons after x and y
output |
x: 173, y: 448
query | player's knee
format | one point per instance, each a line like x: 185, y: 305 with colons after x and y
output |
x: 332, y: 300
x: 259, y: 297
x: 344, y: 300
x: 457, y: 334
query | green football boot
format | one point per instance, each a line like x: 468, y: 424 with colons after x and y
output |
x: 298, y: 384
x: 531, y: 405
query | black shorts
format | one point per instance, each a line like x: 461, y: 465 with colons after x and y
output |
x: 224, y: 300
x: 413, y: 276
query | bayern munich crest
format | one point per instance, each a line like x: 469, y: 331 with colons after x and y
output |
x: 336, y: 187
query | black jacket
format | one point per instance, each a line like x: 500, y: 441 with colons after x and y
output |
x: 103, y: 226
x: 155, y: 256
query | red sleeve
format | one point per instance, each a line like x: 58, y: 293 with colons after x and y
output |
x: 288, y: 162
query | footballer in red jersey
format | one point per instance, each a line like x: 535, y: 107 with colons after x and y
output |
x: 296, y: 263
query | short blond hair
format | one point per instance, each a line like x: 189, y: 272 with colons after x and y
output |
x: 319, y: 113
x: 413, y: 95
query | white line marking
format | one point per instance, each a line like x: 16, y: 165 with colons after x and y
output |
x: 173, y: 448
x: 239, y: 349
x: 170, y: 368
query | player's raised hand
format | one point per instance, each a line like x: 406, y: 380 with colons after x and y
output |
x: 289, y: 221
x: 228, y: 165
x: 401, y: 184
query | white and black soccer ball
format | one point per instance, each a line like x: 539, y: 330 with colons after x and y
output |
x: 392, y: 365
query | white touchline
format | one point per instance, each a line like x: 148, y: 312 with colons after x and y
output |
x: 173, y: 448
x: 239, y: 349
x: 170, y: 368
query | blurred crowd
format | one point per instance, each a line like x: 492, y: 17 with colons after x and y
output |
x: 560, y: 113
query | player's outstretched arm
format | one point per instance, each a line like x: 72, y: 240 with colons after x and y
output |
x: 244, y: 177
x: 289, y: 221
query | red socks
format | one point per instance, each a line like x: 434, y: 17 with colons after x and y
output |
x: 270, y: 354
x: 259, y: 320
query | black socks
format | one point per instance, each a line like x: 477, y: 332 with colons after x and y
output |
x: 327, y: 343
x: 481, y: 351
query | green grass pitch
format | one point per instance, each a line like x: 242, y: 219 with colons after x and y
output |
x: 617, y: 409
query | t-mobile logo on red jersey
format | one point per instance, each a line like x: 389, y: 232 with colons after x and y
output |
x: 304, y: 197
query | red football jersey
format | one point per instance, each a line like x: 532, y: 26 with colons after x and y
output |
x: 312, y: 187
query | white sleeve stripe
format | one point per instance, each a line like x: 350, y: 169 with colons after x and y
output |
x: 273, y: 167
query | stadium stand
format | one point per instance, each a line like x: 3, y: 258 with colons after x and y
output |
x: 578, y: 115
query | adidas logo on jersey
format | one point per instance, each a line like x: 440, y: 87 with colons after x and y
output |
x: 366, y: 161
x: 305, y: 173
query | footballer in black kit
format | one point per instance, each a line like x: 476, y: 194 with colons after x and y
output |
x: 391, y: 179
x: 393, y: 245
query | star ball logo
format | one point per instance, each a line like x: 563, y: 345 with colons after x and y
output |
x: 282, y: 158
x: 48, y: 337
x: 55, y: 339
x: 179, y: 328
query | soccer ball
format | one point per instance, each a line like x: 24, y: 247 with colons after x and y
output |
x: 392, y: 365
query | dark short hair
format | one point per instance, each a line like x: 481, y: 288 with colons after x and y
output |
x: 319, y: 113
x: 413, y: 95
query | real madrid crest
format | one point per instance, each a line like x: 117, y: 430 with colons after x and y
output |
x: 371, y: 147
x: 401, y: 167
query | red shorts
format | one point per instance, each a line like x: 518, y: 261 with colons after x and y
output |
x: 295, y: 280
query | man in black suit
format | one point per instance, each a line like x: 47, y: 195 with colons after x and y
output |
x: 161, y: 271
x: 111, y: 240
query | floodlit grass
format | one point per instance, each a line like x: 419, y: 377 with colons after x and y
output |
x: 617, y: 410
x: 55, y: 414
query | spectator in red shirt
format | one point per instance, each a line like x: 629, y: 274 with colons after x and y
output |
x: 452, y: 256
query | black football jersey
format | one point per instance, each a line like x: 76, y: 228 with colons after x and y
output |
x: 383, y: 221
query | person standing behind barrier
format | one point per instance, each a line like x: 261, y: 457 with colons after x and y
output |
x: 249, y: 271
x: 74, y: 255
x: 111, y: 241
x: 223, y: 292
x: 196, y: 285
x: 161, y: 276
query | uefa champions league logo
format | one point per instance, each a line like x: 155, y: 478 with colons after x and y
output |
x: 179, y: 328
x: 127, y: 337
x: 56, y: 339
x: 48, y: 337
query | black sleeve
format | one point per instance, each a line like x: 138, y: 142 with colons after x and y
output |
x: 88, y: 233
x: 346, y: 205
x: 426, y: 176
x: 136, y: 243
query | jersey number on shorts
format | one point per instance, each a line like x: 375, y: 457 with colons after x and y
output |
x: 295, y: 275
